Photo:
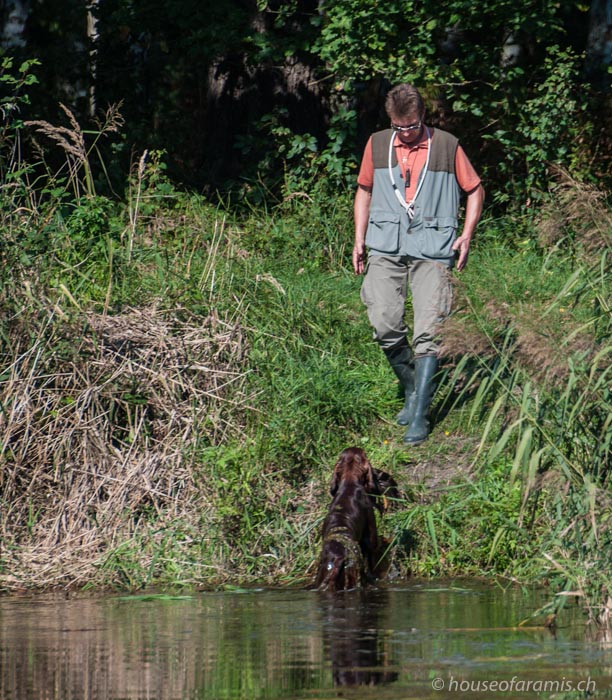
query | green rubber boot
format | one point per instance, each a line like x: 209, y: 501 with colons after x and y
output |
x: 401, y: 360
x: 425, y: 369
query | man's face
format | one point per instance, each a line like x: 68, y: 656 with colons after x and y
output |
x: 408, y: 127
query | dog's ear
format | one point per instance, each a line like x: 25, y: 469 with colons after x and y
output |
x: 335, y: 482
x: 371, y: 482
x: 339, y: 470
x: 374, y: 490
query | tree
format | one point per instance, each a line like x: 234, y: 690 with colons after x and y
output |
x: 243, y: 90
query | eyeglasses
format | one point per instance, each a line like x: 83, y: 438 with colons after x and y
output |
x: 405, y: 129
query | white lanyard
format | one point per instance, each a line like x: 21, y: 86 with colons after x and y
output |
x: 408, y: 206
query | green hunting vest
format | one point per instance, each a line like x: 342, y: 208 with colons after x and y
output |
x: 432, y: 231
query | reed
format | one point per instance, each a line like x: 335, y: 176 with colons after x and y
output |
x: 536, y: 377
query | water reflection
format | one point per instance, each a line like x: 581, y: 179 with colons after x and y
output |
x: 356, y: 637
x: 385, y: 644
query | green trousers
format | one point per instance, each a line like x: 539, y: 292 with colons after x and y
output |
x: 384, y: 290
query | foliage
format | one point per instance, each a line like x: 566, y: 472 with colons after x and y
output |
x: 545, y: 129
x: 15, y: 193
x: 483, y: 510
x: 460, y: 56
x: 14, y: 83
x: 307, y: 167
x: 254, y: 99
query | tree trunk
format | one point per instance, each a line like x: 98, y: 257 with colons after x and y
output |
x: 599, y: 43
x: 92, y: 35
x: 14, y: 16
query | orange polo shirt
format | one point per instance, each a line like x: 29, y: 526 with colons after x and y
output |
x: 411, y: 159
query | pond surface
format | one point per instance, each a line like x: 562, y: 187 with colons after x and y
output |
x: 397, y: 643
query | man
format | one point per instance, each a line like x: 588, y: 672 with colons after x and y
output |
x: 406, y: 210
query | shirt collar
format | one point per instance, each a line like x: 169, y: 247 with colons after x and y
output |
x: 421, y: 143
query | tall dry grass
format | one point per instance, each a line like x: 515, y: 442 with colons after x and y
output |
x: 77, y: 150
x: 99, y: 421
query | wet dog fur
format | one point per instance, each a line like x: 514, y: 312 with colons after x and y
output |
x: 353, y: 554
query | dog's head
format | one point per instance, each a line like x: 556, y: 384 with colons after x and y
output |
x: 353, y: 465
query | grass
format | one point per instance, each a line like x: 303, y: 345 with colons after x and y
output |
x: 179, y: 379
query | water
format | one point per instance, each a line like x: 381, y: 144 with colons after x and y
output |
x: 401, y: 642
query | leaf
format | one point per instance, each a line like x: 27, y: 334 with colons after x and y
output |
x: 521, y: 453
x: 431, y: 529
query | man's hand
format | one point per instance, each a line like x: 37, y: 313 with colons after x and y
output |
x: 363, y: 197
x: 462, y: 246
x: 359, y: 258
x: 473, y: 210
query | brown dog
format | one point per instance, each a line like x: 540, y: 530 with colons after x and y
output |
x: 353, y: 553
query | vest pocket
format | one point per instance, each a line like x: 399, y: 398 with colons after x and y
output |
x: 383, y: 231
x: 438, y: 236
